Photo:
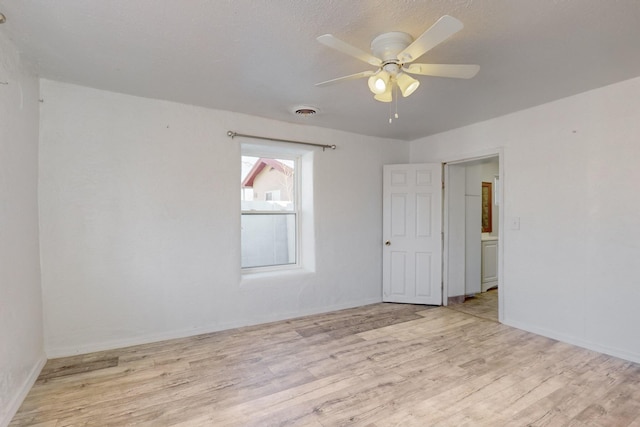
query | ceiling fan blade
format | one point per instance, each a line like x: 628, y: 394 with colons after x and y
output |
x: 345, y: 78
x: 456, y: 71
x: 444, y: 28
x: 337, y: 44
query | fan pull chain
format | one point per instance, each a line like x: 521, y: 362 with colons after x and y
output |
x: 396, y: 99
x: 394, y: 91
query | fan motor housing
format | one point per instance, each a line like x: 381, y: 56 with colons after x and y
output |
x: 387, y: 46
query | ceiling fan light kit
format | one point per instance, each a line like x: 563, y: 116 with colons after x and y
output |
x: 393, y: 52
x: 407, y: 84
x: 385, y: 96
x: 379, y: 82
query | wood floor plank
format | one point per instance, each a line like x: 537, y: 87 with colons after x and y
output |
x: 480, y: 305
x: 376, y: 366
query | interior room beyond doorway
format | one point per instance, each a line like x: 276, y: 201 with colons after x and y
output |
x: 472, y: 224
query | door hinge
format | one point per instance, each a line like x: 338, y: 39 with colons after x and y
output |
x: 443, y: 185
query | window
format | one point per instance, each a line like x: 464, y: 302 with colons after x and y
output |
x: 270, y: 211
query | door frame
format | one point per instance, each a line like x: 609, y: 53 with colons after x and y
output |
x: 464, y: 158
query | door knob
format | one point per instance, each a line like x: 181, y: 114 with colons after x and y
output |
x: 387, y: 243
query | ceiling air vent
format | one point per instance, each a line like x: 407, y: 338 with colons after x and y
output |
x: 305, y: 111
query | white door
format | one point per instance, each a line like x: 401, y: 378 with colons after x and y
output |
x: 412, y: 224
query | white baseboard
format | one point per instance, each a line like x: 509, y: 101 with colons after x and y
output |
x: 55, y: 352
x: 15, y: 403
x: 309, y: 312
x: 569, y: 339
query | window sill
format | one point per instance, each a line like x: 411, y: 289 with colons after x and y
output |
x: 263, y: 277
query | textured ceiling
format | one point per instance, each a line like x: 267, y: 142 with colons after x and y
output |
x: 260, y: 57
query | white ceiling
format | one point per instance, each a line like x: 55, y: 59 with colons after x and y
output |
x: 260, y: 57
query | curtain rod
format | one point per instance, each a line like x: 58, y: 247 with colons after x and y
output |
x: 233, y: 134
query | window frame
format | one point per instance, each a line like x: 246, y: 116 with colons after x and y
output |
x: 296, y: 212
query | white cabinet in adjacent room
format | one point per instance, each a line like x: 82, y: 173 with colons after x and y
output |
x: 489, y: 263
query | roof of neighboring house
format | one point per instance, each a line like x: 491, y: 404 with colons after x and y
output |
x: 259, y: 166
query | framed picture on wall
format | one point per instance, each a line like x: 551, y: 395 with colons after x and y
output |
x: 486, y: 207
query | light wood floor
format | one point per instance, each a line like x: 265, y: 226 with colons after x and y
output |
x: 484, y: 305
x: 379, y: 365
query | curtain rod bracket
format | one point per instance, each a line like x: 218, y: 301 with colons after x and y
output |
x: 231, y: 134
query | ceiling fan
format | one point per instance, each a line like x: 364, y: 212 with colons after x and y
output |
x: 393, y: 54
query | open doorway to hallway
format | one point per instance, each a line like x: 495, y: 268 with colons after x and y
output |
x: 472, y: 235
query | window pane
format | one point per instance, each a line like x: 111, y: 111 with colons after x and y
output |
x: 267, y: 184
x: 268, y: 239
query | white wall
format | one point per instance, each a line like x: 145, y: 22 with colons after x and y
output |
x: 571, y: 175
x: 21, y: 339
x: 472, y: 243
x: 140, y: 224
x: 456, y: 230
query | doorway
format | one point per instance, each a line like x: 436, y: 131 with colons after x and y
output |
x: 472, y: 226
